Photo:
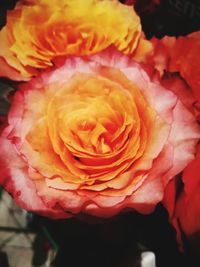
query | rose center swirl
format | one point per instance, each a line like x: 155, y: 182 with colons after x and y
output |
x: 94, y: 122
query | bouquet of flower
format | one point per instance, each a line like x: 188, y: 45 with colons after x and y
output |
x: 103, y: 120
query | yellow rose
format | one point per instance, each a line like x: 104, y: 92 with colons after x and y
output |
x: 38, y: 32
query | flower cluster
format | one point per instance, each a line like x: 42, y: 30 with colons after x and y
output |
x: 103, y: 120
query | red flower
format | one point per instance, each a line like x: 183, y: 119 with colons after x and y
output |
x: 184, y: 210
x: 176, y: 64
x: 185, y: 60
x: 178, y: 56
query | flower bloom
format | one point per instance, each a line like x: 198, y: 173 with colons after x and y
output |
x: 94, y: 136
x: 177, y: 66
x: 39, y: 31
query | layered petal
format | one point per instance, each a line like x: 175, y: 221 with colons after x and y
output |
x: 97, y: 136
x: 68, y: 28
x: 184, y: 60
x: 179, y: 56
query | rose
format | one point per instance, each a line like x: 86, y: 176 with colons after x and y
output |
x: 39, y: 31
x: 94, y: 136
x: 178, y: 69
x: 184, y: 208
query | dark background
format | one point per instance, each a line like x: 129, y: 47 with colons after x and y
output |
x: 171, y: 17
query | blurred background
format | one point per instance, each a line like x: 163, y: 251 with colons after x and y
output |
x: 21, y: 244
x: 28, y: 240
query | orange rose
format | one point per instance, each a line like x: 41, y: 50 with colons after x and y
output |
x: 94, y: 136
x: 39, y: 31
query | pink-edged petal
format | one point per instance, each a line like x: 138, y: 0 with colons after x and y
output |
x: 14, y: 178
